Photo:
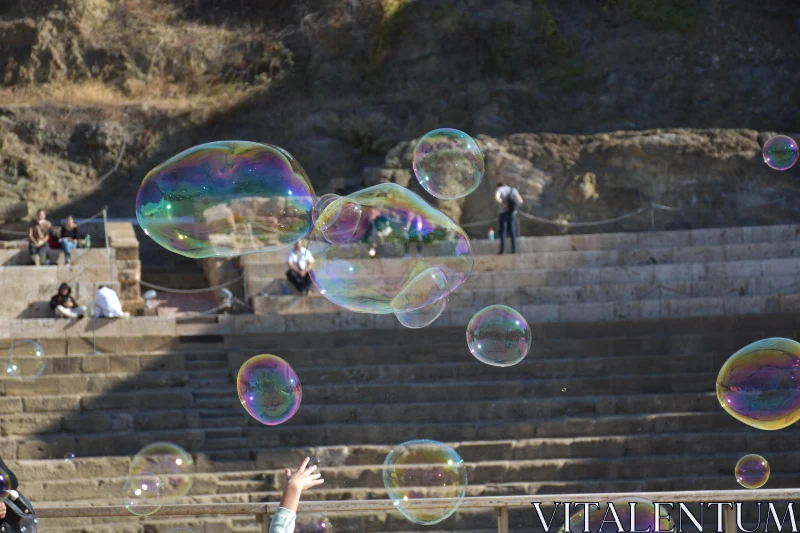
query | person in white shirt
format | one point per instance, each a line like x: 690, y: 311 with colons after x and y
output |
x: 107, y: 304
x: 300, y: 262
x: 509, y: 199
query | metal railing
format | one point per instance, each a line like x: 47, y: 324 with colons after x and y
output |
x: 500, y: 505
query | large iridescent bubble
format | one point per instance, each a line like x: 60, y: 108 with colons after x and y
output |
x: 760, y: 384
x: 225, y: 199
x: 269, y: 389
x: 752, y: 471
x: 422, y: 300
x: 601, y: 517
x: 370, y: 245
x: 780, y: 152
x: 168, y: 461
x: 425, y: 469
x: 448, y: 163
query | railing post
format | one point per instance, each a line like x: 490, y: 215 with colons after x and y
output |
x: 502, y: 519
x: 730, y: 520
x: 262, y: 519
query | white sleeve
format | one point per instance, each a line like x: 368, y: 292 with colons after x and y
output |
x: 283, y: 521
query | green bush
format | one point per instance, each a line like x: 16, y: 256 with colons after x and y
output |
x: 662, y: 15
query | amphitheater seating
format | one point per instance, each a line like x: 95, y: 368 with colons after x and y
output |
x: 616, y: 394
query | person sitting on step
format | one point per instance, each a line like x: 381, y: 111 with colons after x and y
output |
x: 107, y: 304
x: 296, y: 482
x: 38, y: 238
x: 300, y: 262
x: 64, y: 305
x: 69, y: 238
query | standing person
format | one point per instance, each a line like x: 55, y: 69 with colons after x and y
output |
x: 38, y: 237
x: 509, y: 199
x: 69, y: 237
x: 64, y: 305
x: 300, y: 262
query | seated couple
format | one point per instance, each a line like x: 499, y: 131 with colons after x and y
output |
x: 106, y: 304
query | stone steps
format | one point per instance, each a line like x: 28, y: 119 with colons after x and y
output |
x: 537, y: 277
x: 369, y: 479
x: 450, y: 362
x: 197, y: 440
x: 606, y: 293
x: 508, y: 409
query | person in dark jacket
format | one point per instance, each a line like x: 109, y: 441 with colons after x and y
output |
x: 64, y: 305
x: 9, y: 484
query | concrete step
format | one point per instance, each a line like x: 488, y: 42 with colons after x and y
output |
x: 533, y: 277
x: 44, y: 446
x: 665, y: 254
x: 449, y: 362
x: 333, y: 318
x: 368, y: 480
x: 265, y: 460
x: 508, y: 409
x: 606, y: 294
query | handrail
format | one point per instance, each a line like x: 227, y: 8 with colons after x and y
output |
x: 473, y: 502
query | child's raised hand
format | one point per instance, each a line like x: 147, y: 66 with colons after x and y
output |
x: 304, y: 477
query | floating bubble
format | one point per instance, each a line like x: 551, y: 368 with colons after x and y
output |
x: 601, y: 518
x: 760, y: 384
x: 143, y: 494
x: 752, y: 471
x: 314, y: 461
x: 312, y: 523
x: 68, y: 457
x: 225, y: 199
x: 375, y: 265
x: 322, y: 203
x: 339, y: 221
x: 8, y: 481
x: 780, y: 152
x: 448, y: 163
x: 422, y: 300
x: 499, y: 336
x: 168, y: 461
x: 421, y: 469
x: 25, y: 360
x: 269, y: 389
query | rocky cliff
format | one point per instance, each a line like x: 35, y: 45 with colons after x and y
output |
x: 93, y: 93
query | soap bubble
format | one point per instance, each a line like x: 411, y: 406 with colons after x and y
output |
x: 644, y: 511
x: 8, y: 481
x: 448, y: 163
x: 225, y: 199
x: 312, y: 523
x: 780, y: 152
x: 339, y: 221
x: 269, y: 389
x: 168, y: 461
x: 314, y: 461
x: 68, y: 457
x: 422, y: 300
x: 377, y: 263
x: 421, y: 469
x: 499, y: 336
x: 752, y: 471
x: 321, y: 204
x: 143, y: 494
x: 25, y: 360
x: 760, y: 384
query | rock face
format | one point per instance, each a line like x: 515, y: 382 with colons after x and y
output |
x: 713, y: 177
x: 344, y: 85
